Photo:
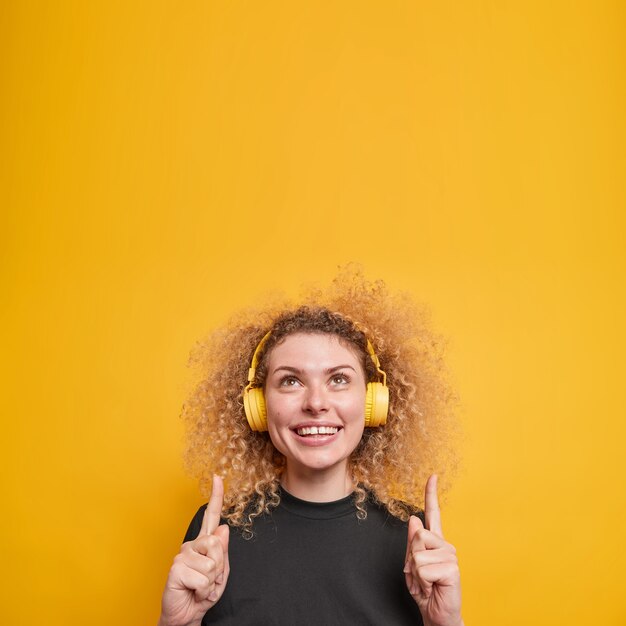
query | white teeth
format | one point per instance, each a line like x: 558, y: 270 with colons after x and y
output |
x: 317, y: 430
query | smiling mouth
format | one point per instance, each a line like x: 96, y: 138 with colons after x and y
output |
x: 309, y: 431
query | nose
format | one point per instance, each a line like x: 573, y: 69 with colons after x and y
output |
x: 315, y: 400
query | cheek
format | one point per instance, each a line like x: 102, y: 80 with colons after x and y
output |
x: 277, y: 432
x: 279, y: 407
x: 353, y: 406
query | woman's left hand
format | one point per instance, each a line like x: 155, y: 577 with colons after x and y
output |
x: 431, y: 568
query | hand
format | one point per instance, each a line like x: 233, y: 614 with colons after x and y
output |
x: 200, y: 571
x: 431, y: 568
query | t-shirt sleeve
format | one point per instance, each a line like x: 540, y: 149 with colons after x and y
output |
x: 196, y: 524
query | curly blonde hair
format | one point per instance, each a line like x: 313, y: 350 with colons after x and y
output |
x: 391, y: 463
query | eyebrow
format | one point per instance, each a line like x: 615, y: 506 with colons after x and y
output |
x: 330, y: 370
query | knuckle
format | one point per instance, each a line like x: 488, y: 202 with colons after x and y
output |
x: 179, y: 562
x: 210, y: 588
x: 421, y: 533
x: 203, y: 583
x: 198, y: 544
x: 451, y: 552
x: 186, y: 548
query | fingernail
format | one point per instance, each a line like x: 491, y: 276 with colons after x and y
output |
x: 219, y: 579
x: 407, y: 568
x: 213, y: 596
x: 414, y: 590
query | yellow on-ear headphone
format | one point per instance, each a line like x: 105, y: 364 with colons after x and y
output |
x: 376, y: 397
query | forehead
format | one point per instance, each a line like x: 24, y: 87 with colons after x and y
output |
x: 310, y: 349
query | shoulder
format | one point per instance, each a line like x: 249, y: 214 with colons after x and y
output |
x: 396, y: 512
x: 195, y: 525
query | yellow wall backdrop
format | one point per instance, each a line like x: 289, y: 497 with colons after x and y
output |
x: 165, y: 163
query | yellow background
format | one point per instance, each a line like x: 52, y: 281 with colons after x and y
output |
x: 163, y: 164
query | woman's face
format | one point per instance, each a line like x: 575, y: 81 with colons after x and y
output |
x: 315, y: 398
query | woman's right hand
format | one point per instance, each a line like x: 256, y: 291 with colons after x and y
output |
x: 200, y: 571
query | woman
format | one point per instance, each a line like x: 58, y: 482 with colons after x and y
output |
x: 318, y: 524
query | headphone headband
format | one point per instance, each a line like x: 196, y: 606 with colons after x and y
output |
x: 255, y: 357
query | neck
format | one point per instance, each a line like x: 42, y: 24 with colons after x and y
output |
x: 315, y: 486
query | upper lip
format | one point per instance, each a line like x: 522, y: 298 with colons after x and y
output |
x: 316, y: 424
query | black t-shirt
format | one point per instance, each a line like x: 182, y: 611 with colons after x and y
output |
x: 316, y: 564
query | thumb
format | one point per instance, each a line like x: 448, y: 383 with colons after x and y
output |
x: 415, y: 524
x: 222, y: 532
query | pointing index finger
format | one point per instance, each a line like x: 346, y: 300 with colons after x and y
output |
x: 213, y: 511
x: 431, y: 509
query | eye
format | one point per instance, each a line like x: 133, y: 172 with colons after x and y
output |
x: 340, y: 379
x: 289, y: 381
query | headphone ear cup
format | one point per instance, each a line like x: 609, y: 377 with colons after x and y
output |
x: 254, y: 406
x: 376, y: 404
